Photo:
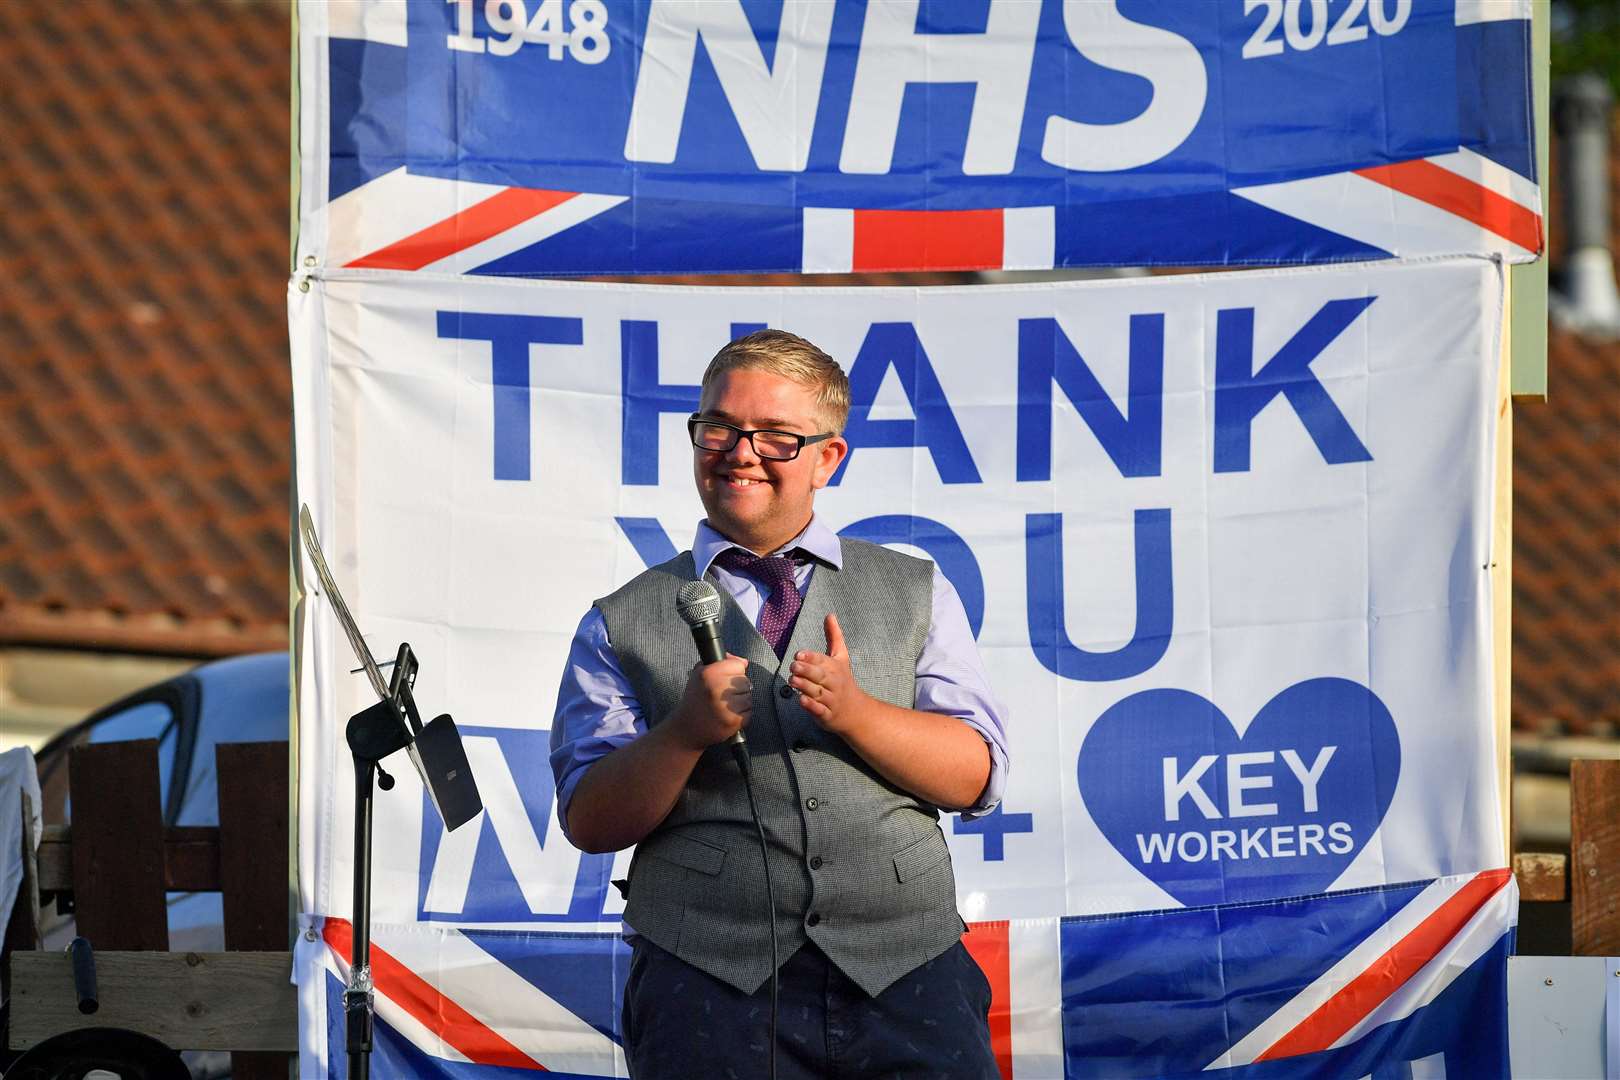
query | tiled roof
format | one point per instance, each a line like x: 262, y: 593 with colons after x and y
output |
x: 1566, y: 526
x: 144, y: 385
x: 144, y: 402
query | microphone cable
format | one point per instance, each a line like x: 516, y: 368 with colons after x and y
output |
x: 699, y: 606
x: 740, y: 752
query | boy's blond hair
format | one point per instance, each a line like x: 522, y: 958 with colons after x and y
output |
x: 791, y: 357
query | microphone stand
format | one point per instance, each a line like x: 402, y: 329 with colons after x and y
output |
x: 372, y: 734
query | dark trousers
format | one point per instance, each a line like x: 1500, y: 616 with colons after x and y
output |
x: 682, y: 1024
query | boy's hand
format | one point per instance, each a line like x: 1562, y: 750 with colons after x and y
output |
x: 716, y: 704
x: 827, y: 689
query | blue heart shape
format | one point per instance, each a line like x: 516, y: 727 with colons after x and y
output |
x: 1215, y: 819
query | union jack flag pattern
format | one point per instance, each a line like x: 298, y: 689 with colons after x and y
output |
x: 1391, y: 982
x: 1406, y: 133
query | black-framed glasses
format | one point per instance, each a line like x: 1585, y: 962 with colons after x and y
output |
x: 768, y: 443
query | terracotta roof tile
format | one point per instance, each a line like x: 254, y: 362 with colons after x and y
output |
x: 1566, y: 525
x: 144, y: 396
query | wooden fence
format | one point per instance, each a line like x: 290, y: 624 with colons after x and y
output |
x: 115, y: 866
x: 1589, y: 877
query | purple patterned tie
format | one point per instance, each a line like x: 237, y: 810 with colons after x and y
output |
x: 781, y: 608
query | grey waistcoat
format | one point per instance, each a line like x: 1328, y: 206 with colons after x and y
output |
x: 859, y: 866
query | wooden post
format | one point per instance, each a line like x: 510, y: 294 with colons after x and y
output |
x: 253, y: 844
x: 1499, y: 572
x: 1594, y: 848
x: 253, y: 867
x: 118, y: 888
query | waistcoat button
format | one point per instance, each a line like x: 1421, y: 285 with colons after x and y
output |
x: 786, y: 691
x: 811, y: 803
x: 815, y: 862
x: 813, y: 918
x: 800, y: 746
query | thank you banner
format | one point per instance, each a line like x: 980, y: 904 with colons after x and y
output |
x: 599, y: 136
x: 1223, y: 541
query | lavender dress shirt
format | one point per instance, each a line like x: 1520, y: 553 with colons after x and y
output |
x: 597, y: 710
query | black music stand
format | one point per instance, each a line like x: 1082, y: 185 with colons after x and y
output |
x: 373, y: 733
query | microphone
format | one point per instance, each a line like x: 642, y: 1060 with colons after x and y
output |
x: 699, y: 607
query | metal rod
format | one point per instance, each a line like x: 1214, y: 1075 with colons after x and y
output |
x: 358, y: 1003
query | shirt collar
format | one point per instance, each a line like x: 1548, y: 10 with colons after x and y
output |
x: 816, y: 539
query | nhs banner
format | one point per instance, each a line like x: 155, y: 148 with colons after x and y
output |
x: 1223, y: 542
x: 545, y: 137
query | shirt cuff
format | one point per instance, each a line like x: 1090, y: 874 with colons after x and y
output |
x: 990, y: 797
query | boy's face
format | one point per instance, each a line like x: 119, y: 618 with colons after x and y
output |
x: 753, y: 501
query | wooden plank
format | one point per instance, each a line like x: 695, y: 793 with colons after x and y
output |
x: 253, y: 867
x: 190, y: 1001
x: 253, y: 844
x: 1594, y: 845
x: 56, y: 859
x: 190, y: 859
x: 1542, y: 876
x: 118, y: 845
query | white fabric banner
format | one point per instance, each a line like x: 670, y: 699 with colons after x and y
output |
x: 1223, y: 538
x: 18, y: 777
